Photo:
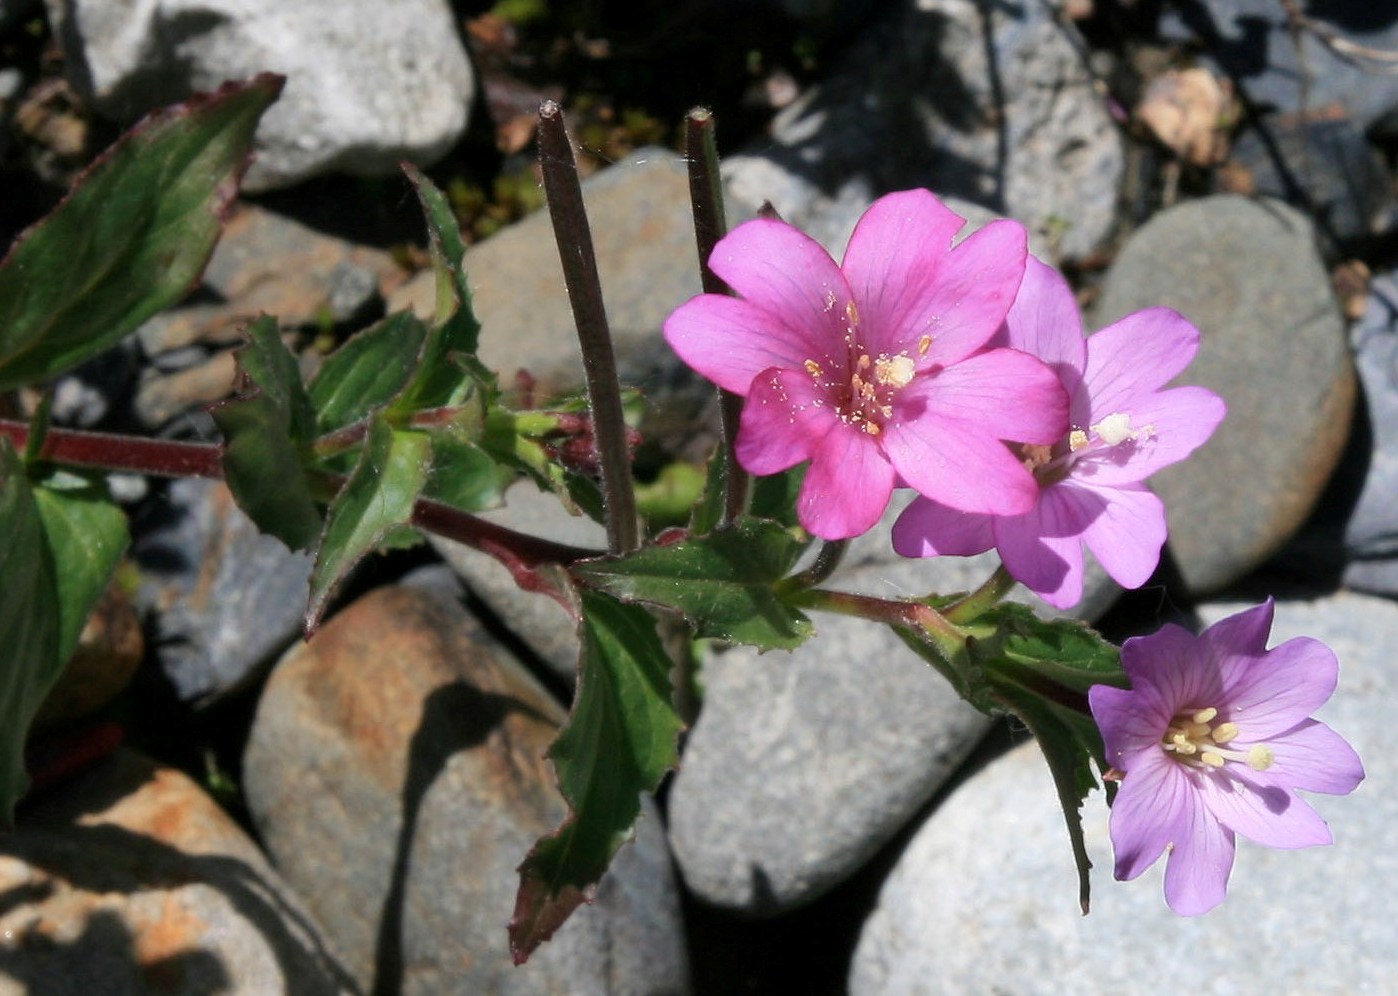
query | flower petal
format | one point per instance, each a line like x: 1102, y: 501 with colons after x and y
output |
x: 1151, y: 811
x: 1128, y: 533
x: 1137, y: 356
x: 1314, y: 758
x: 1042, y: 549
x: 892, y: 264
x: 1269, y: 694
x: 1045, y: 323
x: 1196, y: 875
x: 847, y: 486
x: 1173, y: 424
x: 787, y: 274
x: 783, y: 419
x: 731, y: 341
x: 1264, y: 813
x: 954, y: 462
x: 929, y: 529
x: 1131, y: 724
x: 1165, y: 668
x: 968, y: 296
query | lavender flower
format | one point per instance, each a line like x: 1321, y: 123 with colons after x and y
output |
x: 1212, y: 740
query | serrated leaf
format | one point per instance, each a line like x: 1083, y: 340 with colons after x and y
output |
x: 619, y: 741
x: 448, y: 371
x: 376, y: 500
x: 464, y: 475
x: 267, y: 428
x: 721, y: 582
x: 30, y: 623
x: 1065, y: 651
x: 132, y: 236
x: 86, y: 534
x: 367, y: 372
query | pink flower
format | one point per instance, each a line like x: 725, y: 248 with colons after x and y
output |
x: 1124, y: 427
x: 874, y: 370
x: 1214, y: 738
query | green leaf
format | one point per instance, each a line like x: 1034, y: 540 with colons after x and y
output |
x: 774, y: 496
x: 376, y: 500
x: 722, y: 582
x: 448, y: 370
x: 131, y: 238
x: 367, y: 372
x: 267, y: 430
x: 86, y: 535
x: 1070, y: 742
x: 1064, y: 651
x: 30, y: 623
x: 619, y: 741
x: 708, y: 510
x: 666, y: 501
x: 464, y: 475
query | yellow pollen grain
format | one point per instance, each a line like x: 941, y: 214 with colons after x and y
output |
x: 894, y: 371
x: 1077, y: 439
x: 852, y: 313
x: 1204, y: 715
x: 1225, y: 732
x: 872, y: 428
x: 1211, y: 759
x: 864, y: 362
x: 813, y: 368
x: 923, y: 345
x: 1260, y: 758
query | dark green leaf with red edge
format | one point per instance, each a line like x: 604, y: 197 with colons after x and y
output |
x: 375, y: 502
x: 448, y: 371
x: 464, y: 475
x: 131, y: 238
x: 722, y: 582
x: 268, y: 428
x: 29, y: 623
x: 367, y: 372
x: 619, y: 741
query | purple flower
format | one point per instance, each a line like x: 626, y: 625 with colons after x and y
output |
x: 1214, y: 738
x: 874, y: 370
x: 1124, y: 427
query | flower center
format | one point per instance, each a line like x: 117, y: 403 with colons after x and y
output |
x: 1049, y: 465
x: 1194, y: 738
x: 866, y: 398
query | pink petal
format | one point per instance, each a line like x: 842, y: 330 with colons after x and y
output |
x: 1179, y: 422
x: 1313, y: 758
x: 1003, y: 393
x: 785, y: 273
x: 1128, y: 534
x: 731, y: 341
x: 1269, y: 694
x: 1243, y: 633
x: 1151, y: 811
x: 1196, y: 875
x: 892, y: 264
x: 847, y: 486
x: 969, y: 296
x: 1044, y: 322
x: 928, y: 529
x: 1262, y: 812
x: 1042, y: 549
x: 783, y: 419
x: 954, y: 462
x: 1164, y: 667
x: 1136, y: 356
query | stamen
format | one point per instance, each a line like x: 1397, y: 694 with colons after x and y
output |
x: 813, y: 368
x: 895, y: 371
x: 852, y: 313
x: 923, y: 345
x: 1225, y: 732
x: 1077, y: 439
x: 1211, y: 759
x: 1204, y: 715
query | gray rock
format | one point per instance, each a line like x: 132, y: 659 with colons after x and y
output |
x: 1248, y: 275
x: 984, y: 897
x: 1371, y: 535
x: 368, y: 84
x: 396, y: 772
x: 225, y: 598
x: 803, y: 764
x: 1252, y: 42
x: 926, y: 99
x: 131, y: 880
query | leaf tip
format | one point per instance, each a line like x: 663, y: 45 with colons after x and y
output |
x: 539, y: 913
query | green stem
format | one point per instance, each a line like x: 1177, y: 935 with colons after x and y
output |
x: 983, y: 599
x: 913, y: 615
x: 826, y: 561
x: 706, y: 198
x: 574, y: 237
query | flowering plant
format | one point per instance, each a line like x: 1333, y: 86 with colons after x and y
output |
x: 958, y: 371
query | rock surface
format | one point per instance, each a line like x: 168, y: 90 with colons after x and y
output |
x: 134, y: 881
x: 996, y: 109
x: 226, y: 598
x: 368, y: 84
x: 404, y: 714
x: 1247, y: 274
x: 1371, y: 535
x: 984, y: 898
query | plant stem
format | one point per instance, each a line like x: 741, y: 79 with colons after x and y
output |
x: 831, y: 552
x: 895, y: 613
x: 983, y: 599
x: 574, y: 237
x: 706, y: 198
